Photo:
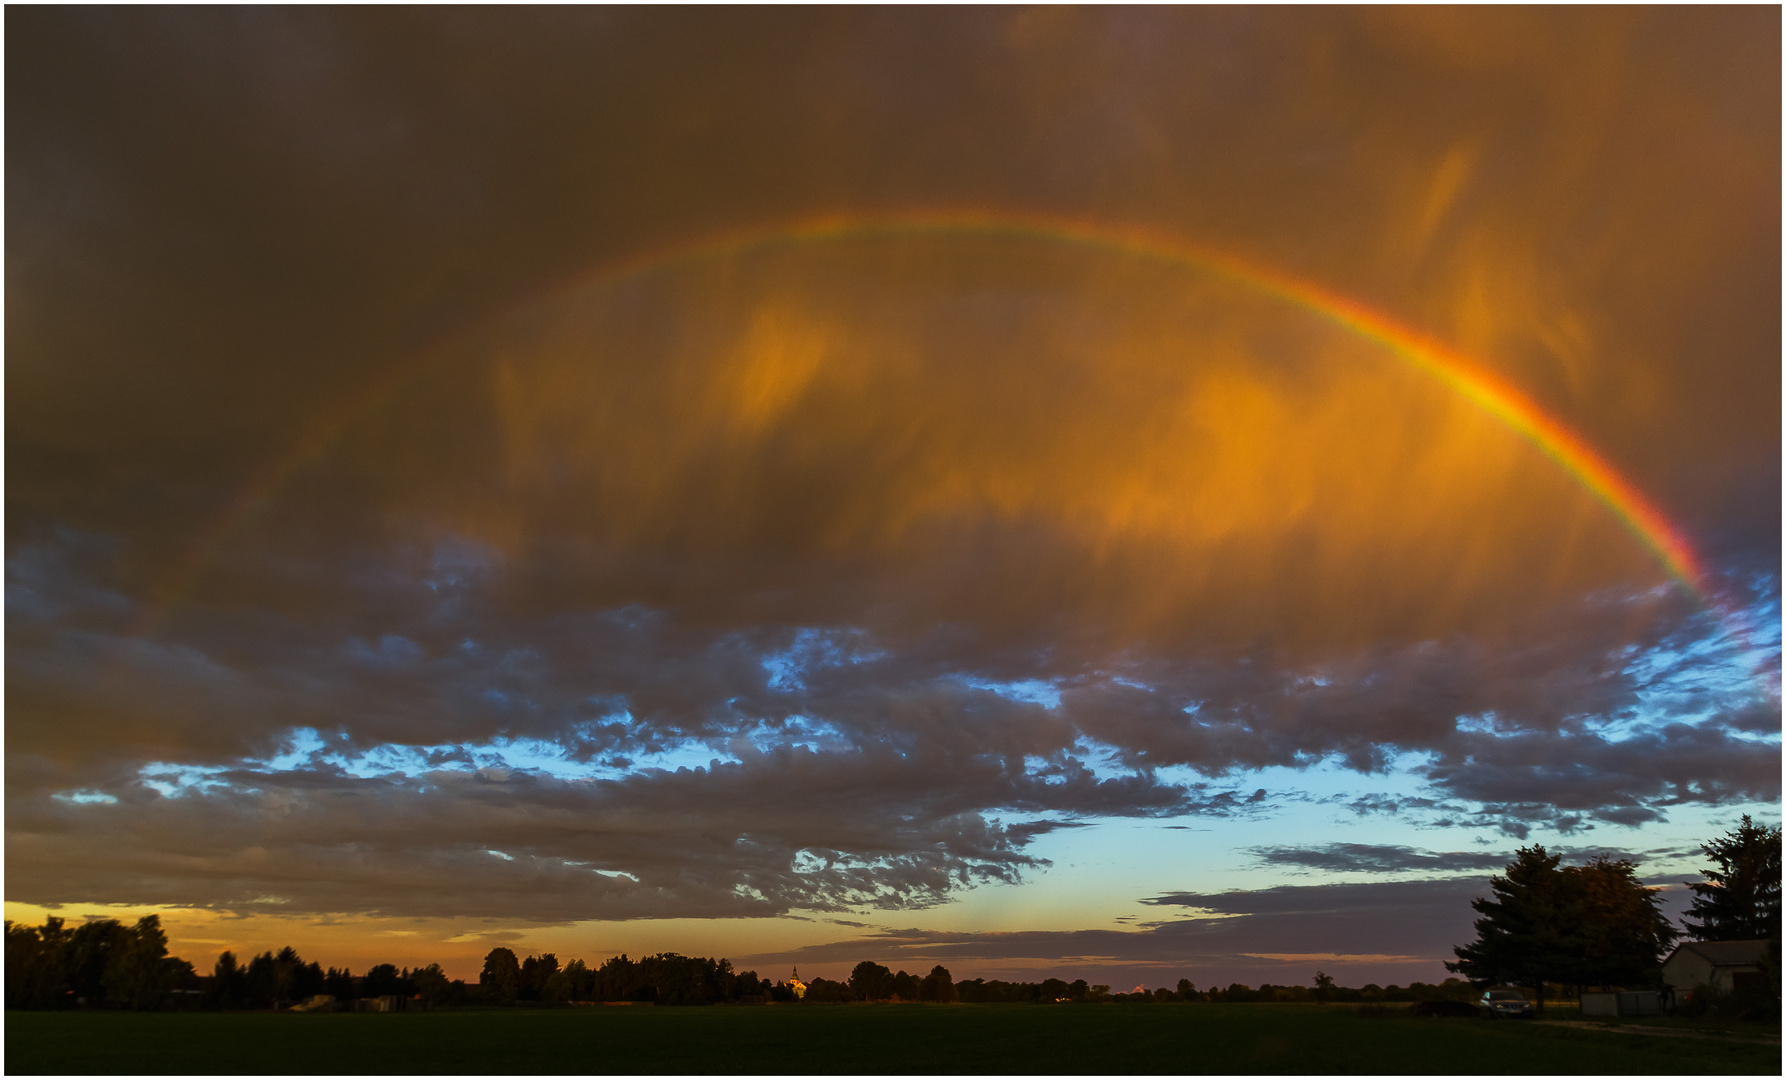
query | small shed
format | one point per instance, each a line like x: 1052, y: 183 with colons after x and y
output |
x: 1722, y: 965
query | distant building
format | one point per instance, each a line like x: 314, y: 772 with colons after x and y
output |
x: 1722, y: 965
x: 317, y: 1003
x: 384, y: 1003
x: 794, y: 984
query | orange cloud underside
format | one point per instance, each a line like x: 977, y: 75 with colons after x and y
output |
x: 1165, y: 442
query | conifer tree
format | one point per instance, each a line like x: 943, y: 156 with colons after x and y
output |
x: 1739, y: 900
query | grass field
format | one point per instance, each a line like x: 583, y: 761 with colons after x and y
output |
x: 849, y: 1039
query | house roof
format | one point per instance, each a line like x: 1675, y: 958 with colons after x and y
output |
x: 1724, y: 953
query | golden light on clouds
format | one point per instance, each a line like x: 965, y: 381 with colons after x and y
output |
x: 1164, y: 442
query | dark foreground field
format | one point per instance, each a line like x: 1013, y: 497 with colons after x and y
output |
x: 849, y: 1039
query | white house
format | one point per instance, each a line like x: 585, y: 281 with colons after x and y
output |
x: 1722, y: 965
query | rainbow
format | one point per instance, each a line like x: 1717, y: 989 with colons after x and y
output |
x: 1476, y: 383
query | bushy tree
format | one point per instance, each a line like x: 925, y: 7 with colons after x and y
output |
x: 937, y: 986
x: 1624, y: 933
x: 870, y: 981
x: 432, y: 984
x: 501, y: 977
x: 381, y: 980
x: 36, y: 965
x: 135, y: 976
x: 88, y: 951
x: 536, y: 972
x: 905, y: 986
x: 1739, y: 900
x: 827, y: 991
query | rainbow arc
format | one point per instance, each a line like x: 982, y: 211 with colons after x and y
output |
x: 1472, y: 380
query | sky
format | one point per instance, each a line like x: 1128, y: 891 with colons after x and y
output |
x: 1132, y: 494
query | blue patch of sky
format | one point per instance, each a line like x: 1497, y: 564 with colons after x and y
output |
x: 1032, y: 691
x: 816, y: 649
x: 799, y: 732
x: 84, y: 796
x: 174, y: 780
x: 1478, y: 723
x: 1694, y: 684
x: 306, y: 748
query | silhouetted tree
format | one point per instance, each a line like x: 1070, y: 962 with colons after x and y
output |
x: 258, y: 982
x: 937, y: 986
x: 307, y: 981
x: 339, y: 984
x: 573, y: 983
x: 36, y: 965
x: 135, y: 976
x: 824, y: 991
x: 431, y: 983
x: 228, y: 990
x: 1623, y: 931
x: 286, y: 977
x: 381, y: 980
x: 1739, y: 900
x: 501, y: 977
x: 1595, y: 923
x: 88, y: 951
x: 1323, y: 986
x: 1530, y: 931
x: 536, y: 971
x: 870, y: 981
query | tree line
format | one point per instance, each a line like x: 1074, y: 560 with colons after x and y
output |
x: 663, y: 979
x: 99, y: 963
x: 105, y: 964
x: 870, y: 981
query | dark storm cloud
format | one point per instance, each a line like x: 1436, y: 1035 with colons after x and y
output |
x: 795, y: 509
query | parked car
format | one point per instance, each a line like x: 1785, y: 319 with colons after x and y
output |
x: 1497, y: 1004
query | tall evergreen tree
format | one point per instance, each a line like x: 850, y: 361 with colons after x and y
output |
x: 1739, y: 900
x: 1529, y: 930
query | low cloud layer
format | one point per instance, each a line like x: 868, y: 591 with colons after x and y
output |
x: 1386, y: 932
